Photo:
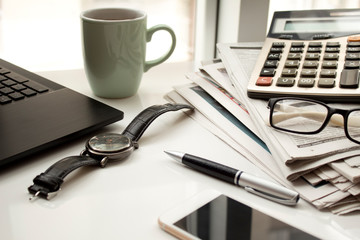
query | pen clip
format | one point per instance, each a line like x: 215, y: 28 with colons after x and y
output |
x: 277, y: 199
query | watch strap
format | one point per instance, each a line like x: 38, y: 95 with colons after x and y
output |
x: 49, y: 182
x: 142, y: 121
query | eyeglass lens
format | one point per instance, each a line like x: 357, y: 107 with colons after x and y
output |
x: 353, y: 125
x: 303, y: 116
x: 298, y: 115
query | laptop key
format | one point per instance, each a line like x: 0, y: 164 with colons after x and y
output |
x: 8, y: 82
x: 29, y: 92
x: 16, y: 96
x: 18, y: 87
x: 37, y: 87
x: 5, y: 100
x: 4, y: 70
x: 16, y: 77
x: 6, y: 90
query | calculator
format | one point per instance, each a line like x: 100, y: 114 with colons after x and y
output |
x: 312, y: 54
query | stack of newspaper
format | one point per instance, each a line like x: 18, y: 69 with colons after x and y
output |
x: 324, y: 168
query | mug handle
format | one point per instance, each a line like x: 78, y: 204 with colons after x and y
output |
x: 149, y: 33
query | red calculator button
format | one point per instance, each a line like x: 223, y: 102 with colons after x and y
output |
x: 264, y: 81
x: 354, y: 38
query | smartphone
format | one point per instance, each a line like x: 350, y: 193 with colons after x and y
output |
x: 211, y: 215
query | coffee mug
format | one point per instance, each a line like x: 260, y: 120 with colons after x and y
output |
x: 114, y: 48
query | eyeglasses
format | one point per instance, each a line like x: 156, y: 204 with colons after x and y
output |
x: 306, y: 116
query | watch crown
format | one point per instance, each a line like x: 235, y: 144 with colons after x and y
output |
x: 104, y: 161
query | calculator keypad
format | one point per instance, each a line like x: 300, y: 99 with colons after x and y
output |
x: 311, y: 64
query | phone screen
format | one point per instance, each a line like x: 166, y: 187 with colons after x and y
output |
x: 225, y: 218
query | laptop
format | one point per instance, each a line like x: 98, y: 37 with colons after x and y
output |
x: 37, y: 114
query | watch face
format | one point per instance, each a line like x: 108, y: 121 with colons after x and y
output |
x: 109, y: 142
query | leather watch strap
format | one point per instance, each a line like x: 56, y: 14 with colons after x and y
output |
x: 142, y: 121
x: 49, y: 182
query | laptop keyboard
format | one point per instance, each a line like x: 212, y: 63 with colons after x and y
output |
x: 15, y: 87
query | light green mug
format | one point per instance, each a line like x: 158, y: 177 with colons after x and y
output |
x: 114, y: 48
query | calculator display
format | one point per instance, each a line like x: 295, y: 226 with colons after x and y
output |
x: 338, y: 25
x: 304, y: 25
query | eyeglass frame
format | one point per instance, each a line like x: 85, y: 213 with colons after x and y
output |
x: 330, y: 112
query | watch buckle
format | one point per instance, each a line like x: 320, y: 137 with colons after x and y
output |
x: 52, y: 194
x: 47, y: 196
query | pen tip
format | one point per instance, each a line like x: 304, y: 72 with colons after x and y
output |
x: 175, y: 155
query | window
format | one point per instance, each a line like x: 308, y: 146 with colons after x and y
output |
x: 46, y: 34
x: 248, y: 20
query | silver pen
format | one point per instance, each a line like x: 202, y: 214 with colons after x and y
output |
x: 252, y: 184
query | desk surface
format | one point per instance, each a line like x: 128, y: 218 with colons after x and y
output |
x: 124, y: 200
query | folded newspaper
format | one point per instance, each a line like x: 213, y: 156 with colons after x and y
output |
x: 322, y: 168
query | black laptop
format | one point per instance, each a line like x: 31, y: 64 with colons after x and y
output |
x: 36, y: 113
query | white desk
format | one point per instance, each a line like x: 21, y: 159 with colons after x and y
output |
x: 124, y: 200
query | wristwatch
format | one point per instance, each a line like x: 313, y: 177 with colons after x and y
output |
x: 99, y: 150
